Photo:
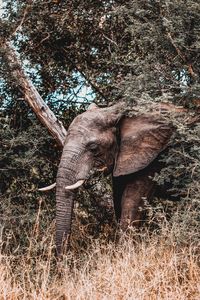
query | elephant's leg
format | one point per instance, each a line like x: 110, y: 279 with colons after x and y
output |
x: 118, y: 189
x: 138, y: 188
x: 129, y: 193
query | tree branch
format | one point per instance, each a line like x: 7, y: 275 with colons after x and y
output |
x: 32, y: 97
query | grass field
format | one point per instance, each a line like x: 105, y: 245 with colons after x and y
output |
x: 149, y: 266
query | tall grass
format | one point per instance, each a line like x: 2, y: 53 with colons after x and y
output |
x: 137, y: 266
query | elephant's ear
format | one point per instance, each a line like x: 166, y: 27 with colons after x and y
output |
x: 142, y: 138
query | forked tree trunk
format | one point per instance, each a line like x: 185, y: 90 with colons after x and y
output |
x: 32, y: 97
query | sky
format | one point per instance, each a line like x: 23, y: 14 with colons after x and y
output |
x: 1, y: 3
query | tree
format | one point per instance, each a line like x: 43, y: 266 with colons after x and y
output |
x: 153, y: 43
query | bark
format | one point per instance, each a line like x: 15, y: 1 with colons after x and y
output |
x: 32, y: 97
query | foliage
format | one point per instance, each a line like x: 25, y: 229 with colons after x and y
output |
x: 122, y: 48
x: 26, y: 163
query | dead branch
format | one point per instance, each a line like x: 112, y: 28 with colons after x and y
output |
x: 32, y: 97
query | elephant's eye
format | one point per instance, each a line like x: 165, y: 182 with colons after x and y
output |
x: 94, y: 148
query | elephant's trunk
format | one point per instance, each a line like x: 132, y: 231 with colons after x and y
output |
x: 64, y: 209
x: 73, y: 167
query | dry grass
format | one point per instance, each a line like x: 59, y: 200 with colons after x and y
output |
x: 159, y: 264
x: 154, y: 267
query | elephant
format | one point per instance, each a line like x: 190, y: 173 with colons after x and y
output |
x: 107, y: 139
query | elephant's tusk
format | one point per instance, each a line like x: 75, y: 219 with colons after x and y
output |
x: 102, y: 169
x: 75, y: 185
x: 47, y: 188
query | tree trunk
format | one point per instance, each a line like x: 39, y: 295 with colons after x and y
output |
x: 32, y: 97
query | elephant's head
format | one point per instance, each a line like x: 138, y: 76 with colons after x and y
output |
x: 105, y: 139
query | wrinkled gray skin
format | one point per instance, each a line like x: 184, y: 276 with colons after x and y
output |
x: 105, y: 139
